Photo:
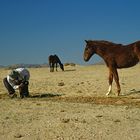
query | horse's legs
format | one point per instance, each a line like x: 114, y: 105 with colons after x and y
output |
x: 51, y: 67
x: 116, y: 78
x: 56, y: 66
x: 110, y: 82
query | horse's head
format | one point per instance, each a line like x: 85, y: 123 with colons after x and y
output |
x: 62, y: 66
x: 89, y: 50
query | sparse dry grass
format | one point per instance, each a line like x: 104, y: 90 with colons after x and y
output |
x: 75, y: 110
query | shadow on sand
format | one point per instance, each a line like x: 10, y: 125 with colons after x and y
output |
x: 70, y: 70
x: 132, y: 92
x: 45, y: 95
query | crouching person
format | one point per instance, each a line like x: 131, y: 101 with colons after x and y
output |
x: 17, y: 79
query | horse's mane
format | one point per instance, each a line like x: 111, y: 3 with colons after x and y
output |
x: 104, y: 42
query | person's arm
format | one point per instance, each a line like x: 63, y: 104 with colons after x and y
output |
x: 12, y: 82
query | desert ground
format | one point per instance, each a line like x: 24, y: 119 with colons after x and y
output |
x: 72, y: 105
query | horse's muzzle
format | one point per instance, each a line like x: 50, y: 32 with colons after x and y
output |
x: 85, y: 59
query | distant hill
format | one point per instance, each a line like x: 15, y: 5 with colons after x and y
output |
x: 13, y: 66
x: 1, y: 66
x: 102, y: 63
x: 22, y: 65
x: 99, y: 63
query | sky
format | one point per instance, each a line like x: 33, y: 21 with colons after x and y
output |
x: 31, y: 30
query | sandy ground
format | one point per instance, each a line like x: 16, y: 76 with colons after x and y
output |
x: 72, y: 105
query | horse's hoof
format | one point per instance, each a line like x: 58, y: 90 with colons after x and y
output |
x: 108, y: 93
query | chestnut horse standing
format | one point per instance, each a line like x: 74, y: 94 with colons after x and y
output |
x: 53, y: 61
x: 116, y: 56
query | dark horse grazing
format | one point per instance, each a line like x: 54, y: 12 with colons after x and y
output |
x: 53, y: 61
x: 116, y: 56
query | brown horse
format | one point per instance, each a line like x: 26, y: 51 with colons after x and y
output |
x: 116, y: 56
x: 53, y: 61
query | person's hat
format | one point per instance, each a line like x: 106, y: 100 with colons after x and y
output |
x: 14, y: 74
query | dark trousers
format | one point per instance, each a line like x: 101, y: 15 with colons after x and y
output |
x: 8, y: 86
x: 23, y: 89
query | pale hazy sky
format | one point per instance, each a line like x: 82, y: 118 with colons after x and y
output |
x: 31, y: 30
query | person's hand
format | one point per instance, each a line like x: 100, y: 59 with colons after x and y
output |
x: 16, y: 82
x: 21, y: 85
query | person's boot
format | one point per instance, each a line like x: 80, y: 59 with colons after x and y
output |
x: 12, y: 95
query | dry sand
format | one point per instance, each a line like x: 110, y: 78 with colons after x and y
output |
x: 72, y: 105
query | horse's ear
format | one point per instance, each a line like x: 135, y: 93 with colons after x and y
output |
x: 86, y: 41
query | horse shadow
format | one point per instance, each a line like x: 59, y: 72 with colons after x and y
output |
x: 132, y: 92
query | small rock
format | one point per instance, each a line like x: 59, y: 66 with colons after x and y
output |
x: 18, y: 135
x: 99, y: 116
x: 119, y: 102
x: 133, y: 90
x: 61, y: 84
x: 79, y: 91
x: 123, y: 83
x: 65, y: 120
x: 62, y: 110
x: 84, y: 121
x: 7, y: 118
x: 117, y: 120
